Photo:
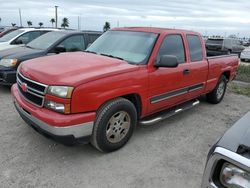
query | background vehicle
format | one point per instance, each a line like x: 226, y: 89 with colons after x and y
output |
x: 220, y: 46
x: 228, y: 161
x: 7, y: 30
x: 1, y: 29
x: 48, y: 44
x: 246, y: 43
x: 245, y: 54
x: 128, y: 75
x: 20, y: 37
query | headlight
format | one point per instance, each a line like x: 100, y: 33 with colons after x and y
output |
x: 234, y: 177
x: 58, y: 107
x: 8, y: 62
x: 60, y: 91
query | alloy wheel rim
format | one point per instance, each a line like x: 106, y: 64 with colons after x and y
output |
x: 118, y: 126
x: 220, y: 90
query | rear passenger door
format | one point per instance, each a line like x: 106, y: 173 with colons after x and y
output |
x: 198, y: 70
x: 167, y: 86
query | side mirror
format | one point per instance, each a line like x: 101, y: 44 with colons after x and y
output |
x: 59, y: 49
x: 169, y: 61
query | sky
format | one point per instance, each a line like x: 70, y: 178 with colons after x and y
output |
x: 210, y: 17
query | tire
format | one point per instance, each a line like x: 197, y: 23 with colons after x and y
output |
x: 114, y: 125
x: 218, y: 93
x: 243, y: 60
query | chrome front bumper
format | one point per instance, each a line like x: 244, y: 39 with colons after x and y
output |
x: 218, y: 155
x: 77, y: 131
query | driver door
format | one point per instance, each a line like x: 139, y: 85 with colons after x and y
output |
x: 167, y: 86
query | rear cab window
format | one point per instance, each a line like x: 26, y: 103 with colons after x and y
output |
x: 195, y: 48
x: 173, y: 45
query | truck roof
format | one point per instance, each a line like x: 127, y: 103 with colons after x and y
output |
x: 155, y: 30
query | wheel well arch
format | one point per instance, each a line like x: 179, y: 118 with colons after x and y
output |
x: 136, y: 100
x: 227, y: 74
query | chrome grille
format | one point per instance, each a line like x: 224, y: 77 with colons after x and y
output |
x: 34, y: 92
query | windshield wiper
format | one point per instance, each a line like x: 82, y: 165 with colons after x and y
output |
x: 108, y: 55
x: 89, y: 51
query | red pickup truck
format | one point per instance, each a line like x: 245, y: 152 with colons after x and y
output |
x: 127, y: 76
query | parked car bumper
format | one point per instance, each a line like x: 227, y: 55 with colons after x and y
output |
x: 7, y: 77
x: 58, y: 127
x: 245, y: 56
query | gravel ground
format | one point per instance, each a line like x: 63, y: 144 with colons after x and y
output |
x: 169, y: 154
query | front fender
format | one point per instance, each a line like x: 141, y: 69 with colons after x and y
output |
x: 90, y: 96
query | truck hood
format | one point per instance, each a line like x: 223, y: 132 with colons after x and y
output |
x: 19, y: 53
x: 237, y: 135
x: 5, y: 45
x: 73, y: 69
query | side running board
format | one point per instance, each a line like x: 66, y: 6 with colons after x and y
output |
x: 168, y: 113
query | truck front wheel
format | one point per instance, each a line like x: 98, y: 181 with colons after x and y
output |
x: 114, y: 125
x: 218, y: 93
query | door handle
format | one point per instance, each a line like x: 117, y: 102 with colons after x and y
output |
x: 186, y: 71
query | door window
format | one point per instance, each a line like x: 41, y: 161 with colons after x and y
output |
x: 92, y: 37
x: 73, y: 44
x: 27, y: 37
x: 173, y: 45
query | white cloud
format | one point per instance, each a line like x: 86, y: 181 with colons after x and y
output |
x: 210, y: 16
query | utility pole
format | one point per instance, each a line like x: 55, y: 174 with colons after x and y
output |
x: 20, y: 17
x: 56, y: 15
x: 78, y: 23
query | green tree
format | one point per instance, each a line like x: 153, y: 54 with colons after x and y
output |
x: 13, y: 24
x: 52, y: 20
x: 65, y: 23
x: 40, y: 24
x: 29, y: 23
x: 106, y: 26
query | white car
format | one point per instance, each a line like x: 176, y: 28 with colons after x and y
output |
x: 245, y: 54
x: 21, y: 37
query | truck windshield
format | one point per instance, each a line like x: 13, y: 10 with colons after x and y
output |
x: 214, y: 41
x: 133, y: 47
x: 10, y: 35
x: 45, y: 41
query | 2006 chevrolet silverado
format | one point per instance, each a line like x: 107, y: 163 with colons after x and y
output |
x: 127, y: 76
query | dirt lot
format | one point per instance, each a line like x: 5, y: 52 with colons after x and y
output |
x: 169, y: 154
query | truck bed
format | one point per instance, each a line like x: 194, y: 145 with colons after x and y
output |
x: 218, y: 64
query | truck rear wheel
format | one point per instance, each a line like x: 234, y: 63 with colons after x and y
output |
x: 218, y: 93
x: 114, y: 125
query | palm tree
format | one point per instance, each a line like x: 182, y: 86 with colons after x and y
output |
x: 29, y: 23
x: 106, y: 26
x: 40, y: 24
x: 52, y: 20
x: 13, y: 24
x: 65, y: 23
